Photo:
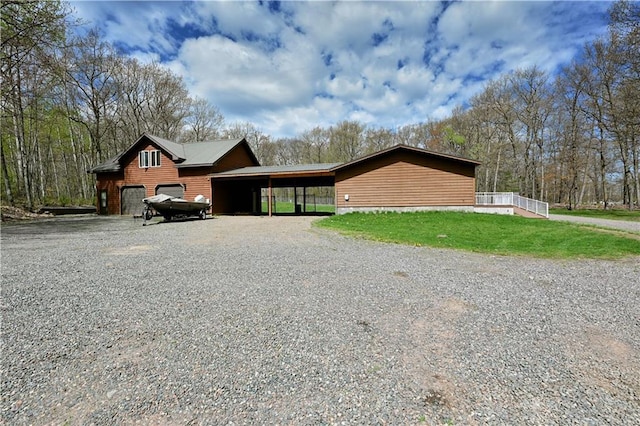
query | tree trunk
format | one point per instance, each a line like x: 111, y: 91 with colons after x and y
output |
x: 495, y: 176
x: 636, y: 164
x: 55, y: 171
x: 5, y: 176
x: 41, y: 172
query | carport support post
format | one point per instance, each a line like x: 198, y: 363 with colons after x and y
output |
x: 269, y: 208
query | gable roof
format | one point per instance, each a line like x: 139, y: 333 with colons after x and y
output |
x: 324, y: 169
x: 208, y: 153
x: 183, y: 155
x: 407, y: 148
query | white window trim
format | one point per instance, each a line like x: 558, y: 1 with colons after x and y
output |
x: 143, y: 159
x: 148, y: 159
x: 155, y: 158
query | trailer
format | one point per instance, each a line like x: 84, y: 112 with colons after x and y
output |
x: 173, y: 207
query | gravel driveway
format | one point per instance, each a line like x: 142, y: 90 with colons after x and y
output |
x: 625, y: 225
x: 246, y: 320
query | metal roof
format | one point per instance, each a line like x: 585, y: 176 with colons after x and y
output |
x: 278, y: 170
x: 175, y: 149
x: 320, y: 169
x: 206, y: 153
x: 110, y: 165
x: 183, y: 155
x: 401, y: 147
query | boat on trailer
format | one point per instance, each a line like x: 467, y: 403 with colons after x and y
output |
x: 173, y: 207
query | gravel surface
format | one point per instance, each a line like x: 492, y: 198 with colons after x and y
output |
x: 625, y: 225
x: 246, y: 320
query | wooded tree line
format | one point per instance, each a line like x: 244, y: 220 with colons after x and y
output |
x: 71, y: 102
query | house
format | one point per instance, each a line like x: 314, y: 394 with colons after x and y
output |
x: 404, y: 178
x: 153, y: 165
x: 400, y: 178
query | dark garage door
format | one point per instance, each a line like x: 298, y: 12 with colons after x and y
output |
x: 172, y: 190
x: 132, y: 200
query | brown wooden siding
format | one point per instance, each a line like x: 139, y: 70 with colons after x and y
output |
x: 152, y: 176
x: 196, y: 182
x: 236, y: 158
x: 405, y: 180
x: 110, y: 183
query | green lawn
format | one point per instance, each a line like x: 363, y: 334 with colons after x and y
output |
x: 287, y: 207
x: 486, y: 233
x: 617, y: 214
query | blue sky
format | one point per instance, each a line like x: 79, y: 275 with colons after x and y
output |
x: 289, y: 66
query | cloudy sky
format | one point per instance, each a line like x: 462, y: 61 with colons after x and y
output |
x: 289, y: 66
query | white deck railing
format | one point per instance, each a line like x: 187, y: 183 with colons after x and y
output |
x: 512, y: 199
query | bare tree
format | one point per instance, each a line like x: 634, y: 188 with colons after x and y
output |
x: 254, y: 136
x: 94, y: 88
x: 30, y: 32
x: 346, y: 141
x: 168, y: 104
x: 317, y: 143
x: 377, y: 139
x: 204, y: 122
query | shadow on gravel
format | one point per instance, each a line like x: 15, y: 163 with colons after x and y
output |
x: 68, y: 225
x: 161, y: 221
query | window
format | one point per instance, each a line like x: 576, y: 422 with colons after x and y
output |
x: 155, y: 158
x: 143, y: 159
x: 148, y: 159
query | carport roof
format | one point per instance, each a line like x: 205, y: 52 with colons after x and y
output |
x: 318, y: 169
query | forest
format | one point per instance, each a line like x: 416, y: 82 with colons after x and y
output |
x: 71, y: 101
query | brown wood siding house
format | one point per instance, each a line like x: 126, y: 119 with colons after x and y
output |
x: 404, y: 178
x: 165, y: 167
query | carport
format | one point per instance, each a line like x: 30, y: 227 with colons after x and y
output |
x: 239, y: 190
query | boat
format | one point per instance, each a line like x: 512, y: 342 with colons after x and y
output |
x: 173, y: 207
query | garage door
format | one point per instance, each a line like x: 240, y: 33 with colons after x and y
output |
x: 172, y: 190
x: 131, y: 201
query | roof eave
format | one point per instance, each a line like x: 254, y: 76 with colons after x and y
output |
x: 408, y: 148
x: 159, y: 141
x: 192, y: 166
x: 105, y: 170
x: 276, y: 174
x: 239, y: 142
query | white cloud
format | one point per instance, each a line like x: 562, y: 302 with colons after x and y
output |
x: 140, y: 25
x: 236, y: 17
x: 305, y: 64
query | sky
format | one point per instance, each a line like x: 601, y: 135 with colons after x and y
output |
x: 290, y: 66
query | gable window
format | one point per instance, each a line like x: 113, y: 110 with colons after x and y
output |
x: 148, y: 159
x: 155, y: 158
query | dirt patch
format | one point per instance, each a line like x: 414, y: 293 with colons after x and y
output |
x: 610, y: 351
x: 127, y: 251
x: 623, y: 234
x: 427, y: 359
x: 9, y: 213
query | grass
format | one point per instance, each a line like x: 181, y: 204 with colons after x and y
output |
x: 617, y: 214
x: 287, y: 207
x: 486, y: 233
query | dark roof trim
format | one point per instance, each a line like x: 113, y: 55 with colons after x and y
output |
x: 188, y: 166
x: 406, y: 148
x: 109, y: 166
